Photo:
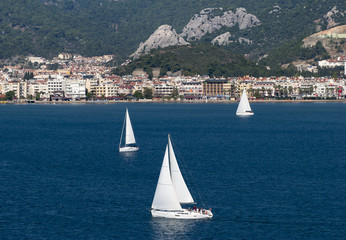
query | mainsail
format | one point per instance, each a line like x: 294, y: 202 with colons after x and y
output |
x: 130, y: 136
x: 244, y: 105
x: 165, y: 197
x: 171, y: 191
x: 179, y: 184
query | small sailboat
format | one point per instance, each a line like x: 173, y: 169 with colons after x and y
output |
x: 130, y: 141
x: 171, y: 192
x: 244, y: 108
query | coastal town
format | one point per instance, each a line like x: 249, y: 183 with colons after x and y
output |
x: 73, y: 78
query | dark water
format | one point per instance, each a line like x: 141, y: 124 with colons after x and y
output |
x: 280, y: 174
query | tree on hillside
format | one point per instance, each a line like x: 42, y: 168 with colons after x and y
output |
x: 54, y: 66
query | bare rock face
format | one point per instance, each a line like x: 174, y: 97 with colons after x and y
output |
x: 244, y: 40
x: 223, y: 39
x: 207, y: 21
x: 211, y: 19
x: 324, y: 36
x: 164, y: 36
x: 330, y: 17
x: 330, y: 40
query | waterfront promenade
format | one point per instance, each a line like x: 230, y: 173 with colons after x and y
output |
x: 200, y: 101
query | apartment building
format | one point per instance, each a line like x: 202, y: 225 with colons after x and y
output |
x: 107, y: 90
x: 18, y: 87
x: 190, y: 89
x: 267, y: 88
x: 213, y: 87
x: 163, y: 90
x: 38, y: 87
x: 75, y: 88
x: 56, y: 83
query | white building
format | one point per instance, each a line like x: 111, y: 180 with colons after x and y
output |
x: 38, y: 87
x: 331, y: 63
x: 56, y: 83
x: 326, y: 90
x: 268, y: 88
x: 65, y: 56
x: 190, y: 89
x: 321, y: 90
x: 36, y: 59
x: 75, y: 88
x: 4, y: 87
x: 161, y: 90
x: 18, y: 87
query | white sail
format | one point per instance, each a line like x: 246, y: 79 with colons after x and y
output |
x: 130, y: 136
x: 165, y: 197
x: 171, y: 190
x: 244, y: 105
x: 179, y: 184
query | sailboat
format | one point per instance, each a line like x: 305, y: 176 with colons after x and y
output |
x: 130, y: 141
x: 171, y: 192
x: 244, y: 108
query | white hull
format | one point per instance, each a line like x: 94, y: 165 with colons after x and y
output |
x: 128, y: 149
x: 245, y: 114
x: 184, y: 214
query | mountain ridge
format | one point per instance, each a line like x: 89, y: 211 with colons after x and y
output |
x: 46, y: 28
x: 199, y: 25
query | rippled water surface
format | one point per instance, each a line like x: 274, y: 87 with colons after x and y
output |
x: 280, y: 174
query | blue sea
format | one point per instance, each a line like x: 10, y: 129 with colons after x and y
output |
x: 280, y: 174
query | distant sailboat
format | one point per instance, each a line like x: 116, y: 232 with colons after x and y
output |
x: 244, y: 108
x: 171, y: 191
x: 130, y: 141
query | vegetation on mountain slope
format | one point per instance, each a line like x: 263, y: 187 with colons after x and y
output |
x: 88, y: 27
x: 219, y: 62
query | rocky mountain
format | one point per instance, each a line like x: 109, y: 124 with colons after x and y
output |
x: 223, y: 39
x: 164, y: 36
x: 211, y: 19
x: 207, y: 21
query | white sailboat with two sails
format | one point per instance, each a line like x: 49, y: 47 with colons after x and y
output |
x: 171, y: 192
x: 244, y: 108
x: 130, y: 141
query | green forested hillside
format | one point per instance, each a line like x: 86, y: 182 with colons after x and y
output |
x: 88, y: 27
x: 214, y: 61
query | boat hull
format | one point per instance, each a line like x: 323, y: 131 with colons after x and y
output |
x: 185, y: 214
x: 128, y: 149
x: 245, y: 114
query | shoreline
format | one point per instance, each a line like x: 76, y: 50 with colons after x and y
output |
x: 178, y: 101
